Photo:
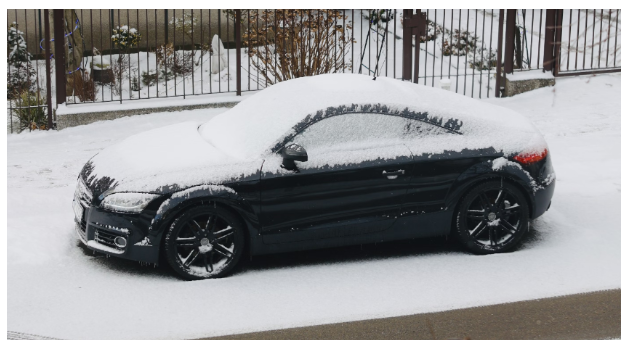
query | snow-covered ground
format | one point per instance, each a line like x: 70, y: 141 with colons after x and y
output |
x: 57, y: 289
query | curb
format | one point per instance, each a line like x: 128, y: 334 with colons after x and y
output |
x: 76, y: 119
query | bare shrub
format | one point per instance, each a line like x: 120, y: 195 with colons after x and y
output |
x: 84, y: 87
x: 292, y: 43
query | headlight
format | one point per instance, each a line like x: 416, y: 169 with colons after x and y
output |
x: 127, y: 201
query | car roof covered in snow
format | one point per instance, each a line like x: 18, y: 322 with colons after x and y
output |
x: 257, y: 123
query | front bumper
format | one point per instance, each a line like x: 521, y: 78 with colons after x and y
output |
x: 98, y: 229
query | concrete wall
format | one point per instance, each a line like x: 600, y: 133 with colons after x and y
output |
x: 96, y: 26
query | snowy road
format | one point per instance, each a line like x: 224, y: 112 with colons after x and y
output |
x: 58, y: 290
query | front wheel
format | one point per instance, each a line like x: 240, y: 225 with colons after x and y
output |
x: 204, y: 242
x: 493, y: 217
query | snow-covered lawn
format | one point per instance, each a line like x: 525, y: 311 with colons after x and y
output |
x: 57, y: 289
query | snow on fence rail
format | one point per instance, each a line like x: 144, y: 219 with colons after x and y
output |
x: 137, y: 54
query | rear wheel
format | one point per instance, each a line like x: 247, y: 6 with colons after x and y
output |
x: 493, y: 217
x: 204, y: 242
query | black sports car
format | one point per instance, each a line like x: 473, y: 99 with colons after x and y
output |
x: 317, y: 162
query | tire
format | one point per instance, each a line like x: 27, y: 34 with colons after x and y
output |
x: 492, y: 218
x: 204, y: 242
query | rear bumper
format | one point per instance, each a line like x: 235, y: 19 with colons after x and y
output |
x: 100, y: 228
x: 542, y: 199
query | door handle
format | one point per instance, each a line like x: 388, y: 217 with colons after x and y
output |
x: 392, y: 174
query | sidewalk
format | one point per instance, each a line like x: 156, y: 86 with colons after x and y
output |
x: 573, y: 317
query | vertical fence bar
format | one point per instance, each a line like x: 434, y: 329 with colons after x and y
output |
x: 585, y: 35
x: 60, y: 56
x: 474, y: 59
x: 193, y: 46
x: 443, y: 22
x: 482, y: 59
x: 451, y: 41
x: 165, y: 26
x: 28, y: 69
x: 458, y: 57
x: 593, y: 28
x: 609, y: 28
x: 417, y: 44
x: 238, y: 61
x: 227, y: 52
x: 394, y: 44
x: 353, y: 27
x: 600, y: 41
x: 569, y: 38
x: 539, y: 39
x: 48, y: 69
x: 501, y: 18
x: 434, y: 50
x: 616, y: 36
x: 576, y: 53
x: 491, y: 34
x: 426, y: 49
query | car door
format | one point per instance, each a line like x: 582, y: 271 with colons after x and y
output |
x: 354, y: 181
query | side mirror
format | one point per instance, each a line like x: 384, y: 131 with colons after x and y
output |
x: 292, y: 153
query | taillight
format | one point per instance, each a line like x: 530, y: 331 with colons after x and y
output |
x: 530, y: 158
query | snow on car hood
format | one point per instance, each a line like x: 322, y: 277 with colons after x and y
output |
x: 260, y: 121
x: 164, y: 160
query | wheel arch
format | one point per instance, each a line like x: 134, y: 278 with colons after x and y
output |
x: 483, y: 172
x: 226, y: 199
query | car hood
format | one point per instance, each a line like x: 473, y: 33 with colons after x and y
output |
x: 164, y: 160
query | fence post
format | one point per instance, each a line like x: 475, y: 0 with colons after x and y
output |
x: 407, y: 44
x: 510, y: 41
x: 48, y: 69
x: 238, y: 57
x: 549, y: 40
x: 60, y: 56
x: 557, y: 41
x: 501, y: 20
x: 419, y: 28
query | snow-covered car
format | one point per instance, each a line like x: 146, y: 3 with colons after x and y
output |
x: 317, y: 162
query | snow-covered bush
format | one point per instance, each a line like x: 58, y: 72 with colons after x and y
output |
x: 20, y: 78
x: 16, y: 45
x: 292, y: 43
x: 125, y: 37
x: 20, y: 72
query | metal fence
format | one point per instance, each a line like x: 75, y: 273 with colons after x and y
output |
x: 133, y: 54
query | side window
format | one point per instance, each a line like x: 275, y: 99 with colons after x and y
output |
x: 362, y: 129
